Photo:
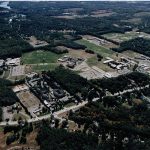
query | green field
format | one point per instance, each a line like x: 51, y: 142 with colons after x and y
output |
x: 37, y: 57
x: 39, y: 68
x: 98, y: 49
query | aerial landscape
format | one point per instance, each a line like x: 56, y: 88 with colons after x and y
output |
x: 74, y: 75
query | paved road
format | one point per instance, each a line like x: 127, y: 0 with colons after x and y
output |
x: 76, y: 107
x: 131, y: 90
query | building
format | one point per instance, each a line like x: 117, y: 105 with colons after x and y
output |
x: 13, y: 62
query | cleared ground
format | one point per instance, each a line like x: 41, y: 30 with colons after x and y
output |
x: 118, y: 37
x: 99, y: 42
x: 30, y: 101
x: 79, y: 53
x: 93, y: 61
x: 36, y: 43
x: 131, y: 53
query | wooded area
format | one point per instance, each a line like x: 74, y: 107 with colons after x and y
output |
x: 7, y: 96
x: 139, y: 45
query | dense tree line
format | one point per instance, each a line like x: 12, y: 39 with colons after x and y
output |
x: 7, y: 96
x: 123, y: 82
x: 69, y: 80
x: 13, y: 47
x: 139, y: 45
x: 56, y: 139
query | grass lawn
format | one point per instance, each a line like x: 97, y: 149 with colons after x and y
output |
x: 40, y: 56
x: 39, y: 68
x: 98, y: 49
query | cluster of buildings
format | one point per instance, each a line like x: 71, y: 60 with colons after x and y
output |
x: 70, y: 62
x: 144, y: 64
x: 47, y: 90
x: 144, y: 68
x: 124, y: 63
x: 9, y: 62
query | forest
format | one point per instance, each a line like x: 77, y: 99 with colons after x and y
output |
x: 139, y: 45
x: 60, y: 139
x: 70, y: 80
x: 123, y: 82
x: 7, y: 96
x: 118, y: 127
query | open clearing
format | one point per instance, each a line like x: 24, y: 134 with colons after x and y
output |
x: 131, y: 53
x: 40, y: 56
x: 36, y: 43
x: 94, y: 62
x: 101, y: 13
x: 98, y: 49
x: 30, y: 101
x: 79, y: 53
x: 99, y: 41
x: 45, y: 67
x: 118, y: 37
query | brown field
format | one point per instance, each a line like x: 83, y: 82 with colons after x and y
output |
x: 28, y: 99
x: 101, y: 13
x: 79, y: 53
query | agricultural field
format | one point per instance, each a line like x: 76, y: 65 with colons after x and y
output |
x: 118, y: 37
x: 37, y: 57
